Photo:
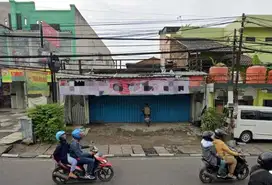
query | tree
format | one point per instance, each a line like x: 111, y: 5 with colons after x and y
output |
x: 256, y: 60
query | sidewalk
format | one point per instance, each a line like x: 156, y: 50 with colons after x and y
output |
x: 127, y: 150
x: 135, y: 140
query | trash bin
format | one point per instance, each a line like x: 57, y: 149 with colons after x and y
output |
x: 27, y: 129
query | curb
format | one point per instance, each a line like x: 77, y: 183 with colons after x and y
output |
x: 137, y: 155
x: 10, y: 155
x: 195, y: 155
x: 44, y: 156
x: 167, y: 155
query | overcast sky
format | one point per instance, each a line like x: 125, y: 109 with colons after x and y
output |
x: 166, y: 11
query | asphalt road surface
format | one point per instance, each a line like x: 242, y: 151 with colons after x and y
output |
x: 128, y: 171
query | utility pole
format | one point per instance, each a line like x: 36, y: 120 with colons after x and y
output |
x: 41, y: 33
x: 42, y: 41
x: 236, y: 55
x: 54, y: 66
x: 51, y: 66
x: 230, y: 95
x: 80, y: 67
x: 238, y: 58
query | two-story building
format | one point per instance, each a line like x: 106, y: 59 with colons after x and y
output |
x: 24, y: 24
x: 257, y: 35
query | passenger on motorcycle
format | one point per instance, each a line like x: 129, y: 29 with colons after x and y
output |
x: 61, y: 153
x: 224, y: 152
x: 209, y: 152
x: 259, y: 174
x: 82, y: 158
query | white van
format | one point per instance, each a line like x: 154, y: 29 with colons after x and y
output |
x: 253, y: 122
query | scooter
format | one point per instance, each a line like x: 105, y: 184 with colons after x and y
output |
x: 208, y: 173
x: 104, y: 171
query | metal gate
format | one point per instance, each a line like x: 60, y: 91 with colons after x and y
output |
x: 78, y: 111
x: 127, y: 109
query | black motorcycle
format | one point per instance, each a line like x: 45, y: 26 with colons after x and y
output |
x: 208, y: 173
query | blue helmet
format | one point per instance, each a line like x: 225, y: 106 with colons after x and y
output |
x: 59, y: 134
x: 77, y: 134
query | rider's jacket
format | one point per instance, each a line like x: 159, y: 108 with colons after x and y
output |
x: 259, y: 176
x: 222, y: 149
x: 61, y: 151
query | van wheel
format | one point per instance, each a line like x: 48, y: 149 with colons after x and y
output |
x: 246, y: 137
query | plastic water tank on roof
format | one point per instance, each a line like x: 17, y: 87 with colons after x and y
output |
x: 256, y: 75
x: 219, y: 74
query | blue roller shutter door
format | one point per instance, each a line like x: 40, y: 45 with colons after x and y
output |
x: 127, y: 109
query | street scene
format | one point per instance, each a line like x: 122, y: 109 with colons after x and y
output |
x: 154, y: 171
x: 137, y: 92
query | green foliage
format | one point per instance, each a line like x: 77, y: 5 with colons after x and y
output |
x: 47, y: 120
x: 212, y: 120
x: 256, y: 60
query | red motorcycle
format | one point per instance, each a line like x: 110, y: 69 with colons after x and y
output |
x: 103, y: 172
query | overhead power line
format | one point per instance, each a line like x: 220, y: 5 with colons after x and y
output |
x: 99, y: 38
x: 143, y: 22
x: 118, y: 54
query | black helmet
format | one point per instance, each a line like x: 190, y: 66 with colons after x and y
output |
x: 207, y: 135
x: 219, y: 133
x: 265, y: 160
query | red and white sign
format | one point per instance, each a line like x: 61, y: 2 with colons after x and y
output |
x: 49, y: 31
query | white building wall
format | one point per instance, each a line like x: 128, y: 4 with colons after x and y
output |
x: 4, y: 11
x: 96, y: 46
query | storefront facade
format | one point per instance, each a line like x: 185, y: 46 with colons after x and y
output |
x: 22, y: 87
x: 248, y: 94
x: 121, y: 100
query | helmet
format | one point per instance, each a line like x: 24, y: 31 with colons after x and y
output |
x: 77, y: 134
x: 207, y: 135
x: 59, y: 134
x: 219, y: 133
x: 265, y: 160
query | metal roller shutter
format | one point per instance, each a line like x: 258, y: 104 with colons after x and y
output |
x: 127, y: 109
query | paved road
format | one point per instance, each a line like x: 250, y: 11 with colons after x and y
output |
x: 128, y: 171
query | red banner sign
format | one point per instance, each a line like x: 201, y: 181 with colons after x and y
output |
x: 48, y: 31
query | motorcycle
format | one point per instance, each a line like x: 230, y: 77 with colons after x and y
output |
x: 104, y: 171
x: 208, y: 173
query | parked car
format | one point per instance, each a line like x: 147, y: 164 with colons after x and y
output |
x: 253, y: 122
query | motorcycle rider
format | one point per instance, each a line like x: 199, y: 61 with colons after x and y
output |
x: 224, y: 152
x: 82, y: 158
x: 61, y: 153
x: 259, y: 174
x: 209, y: 152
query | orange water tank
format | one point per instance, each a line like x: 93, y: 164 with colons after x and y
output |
x: 269, y: 78
x: 256, y: 75
x: 196, y: 81
x: 219, y: 74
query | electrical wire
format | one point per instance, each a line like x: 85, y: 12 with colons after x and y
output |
x: 121, y: 23
x: 119, y: 54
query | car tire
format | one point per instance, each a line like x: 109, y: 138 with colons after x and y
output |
x: 246, y: 136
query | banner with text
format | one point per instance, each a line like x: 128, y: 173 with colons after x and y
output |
x: 162, y: 86
x: 12, y: 75
x: 37, y: 82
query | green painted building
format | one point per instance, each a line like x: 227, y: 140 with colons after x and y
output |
x: 257, y: 34
x: 25, y: 17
